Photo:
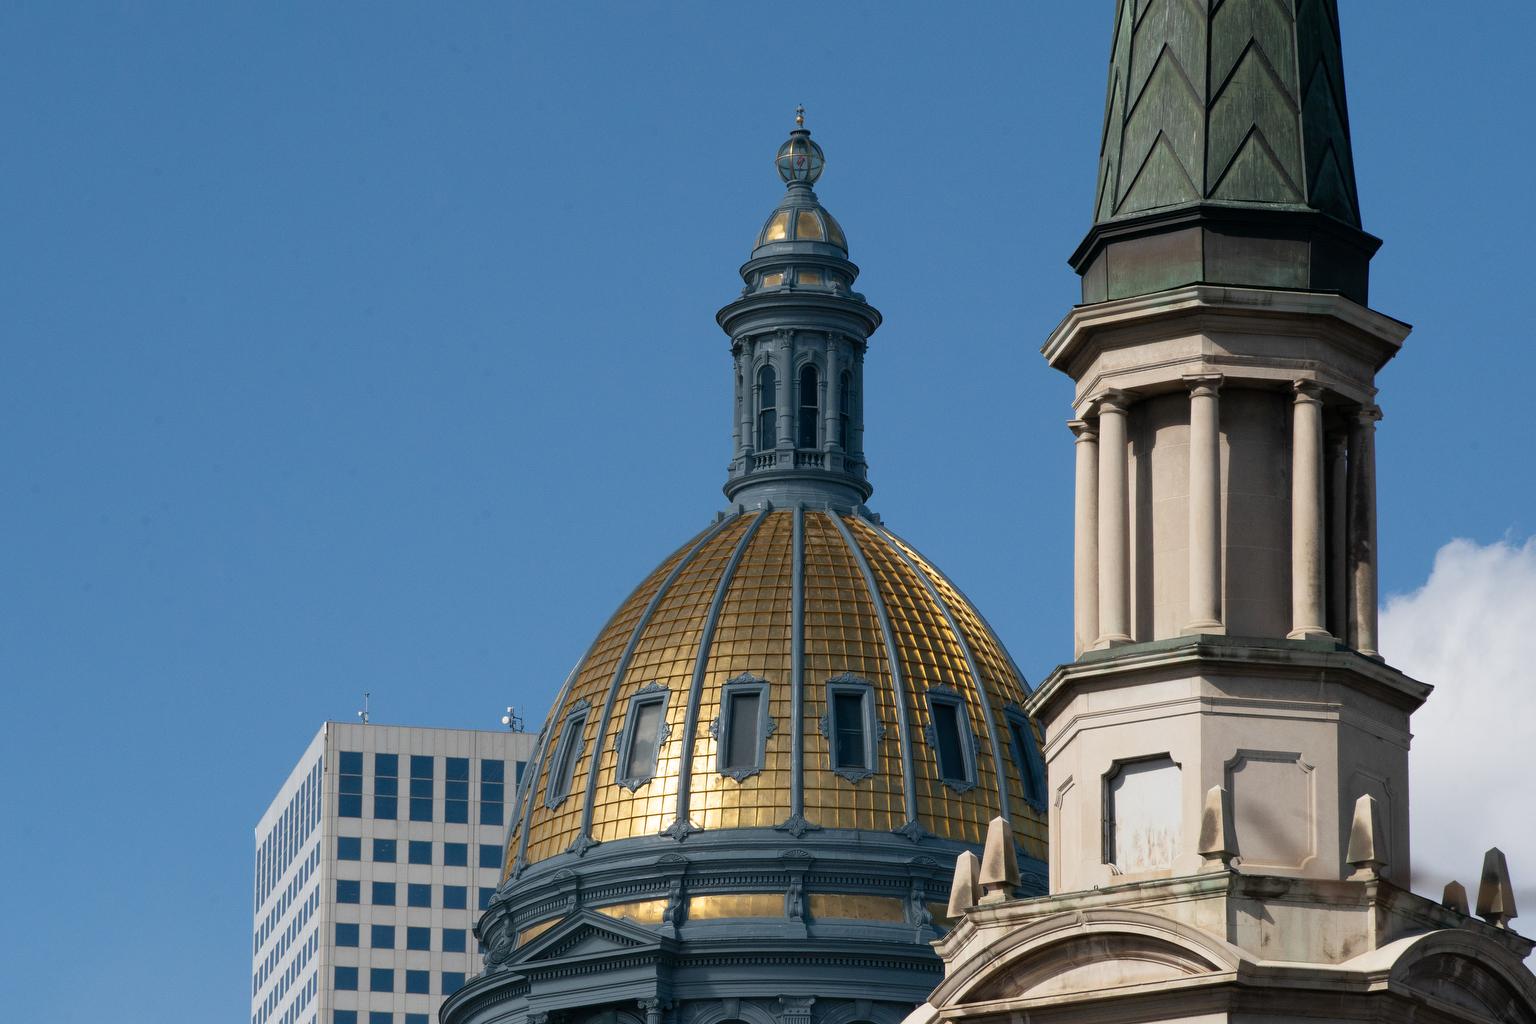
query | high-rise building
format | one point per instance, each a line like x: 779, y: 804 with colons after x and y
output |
x: 373, y: 862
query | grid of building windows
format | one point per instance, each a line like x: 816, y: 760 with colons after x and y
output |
x: 429, y: 808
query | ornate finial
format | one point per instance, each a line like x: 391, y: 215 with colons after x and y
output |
x: 800, y: 116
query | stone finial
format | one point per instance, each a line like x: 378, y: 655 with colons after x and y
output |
x: 1218, y: 834
x: 1455, y: 898
x: 999, y: 863
x: 1495, y: 894
x: 1367, y: 841
x: 965, y: 891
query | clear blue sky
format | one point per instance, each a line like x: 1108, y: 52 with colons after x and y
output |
x: 371, y: 346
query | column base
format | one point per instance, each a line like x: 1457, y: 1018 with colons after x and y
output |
x: 1109, y: 640
x: 1309, y: 633
x: 1210, y: 626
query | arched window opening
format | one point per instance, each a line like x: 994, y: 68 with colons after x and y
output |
x: 767, y: 409
x: 844, y: 409
x: 810, y: 407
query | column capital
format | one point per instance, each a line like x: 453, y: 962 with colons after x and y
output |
x: 1083, y: 431
x: 1307, y: 391
x: 1367, y: 416
x: 1203, y: 385
x: 1113, y: 401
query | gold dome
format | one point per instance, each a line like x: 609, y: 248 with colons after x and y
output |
x: 948, y: 747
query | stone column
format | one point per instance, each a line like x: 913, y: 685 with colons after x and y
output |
x: 651, y: 1008
x: 1338, y: 535
x: 1204, y: 505
x: 1085, y: 540
x: 738, y: 439
x: 1114, y: 522
x: 1307, y: 513
x: 1362, y: 530
x: 784, y: 366
x: 834, y: 404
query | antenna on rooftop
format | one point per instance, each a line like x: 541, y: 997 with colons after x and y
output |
x: 512, y: 720
x: 363, y: 714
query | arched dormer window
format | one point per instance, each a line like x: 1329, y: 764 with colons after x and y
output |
x: 844, y: 408
x: 767, y: 409
x: 810, y: 407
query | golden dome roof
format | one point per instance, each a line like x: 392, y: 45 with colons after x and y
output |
x: 774, y: 614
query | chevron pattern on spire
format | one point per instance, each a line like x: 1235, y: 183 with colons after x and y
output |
x: 1234, y: 101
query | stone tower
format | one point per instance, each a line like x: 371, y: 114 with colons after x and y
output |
x: 1228, y: 754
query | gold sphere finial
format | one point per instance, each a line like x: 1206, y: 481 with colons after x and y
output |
x: 800, y: 116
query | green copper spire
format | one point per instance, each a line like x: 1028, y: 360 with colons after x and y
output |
x: 1226, y: 155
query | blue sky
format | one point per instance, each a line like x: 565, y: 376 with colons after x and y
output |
x: 371, y: 347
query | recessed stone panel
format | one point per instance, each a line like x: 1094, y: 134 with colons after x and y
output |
x: 1275, y: 805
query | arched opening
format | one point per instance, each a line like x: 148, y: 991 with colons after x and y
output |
x: 767, y: 409
x: 810, y: 407
x: 844, y: 409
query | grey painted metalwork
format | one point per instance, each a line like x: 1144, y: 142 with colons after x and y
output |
x: 903, y: 725
x: 535, y: 768
x: 798, y: 309
x: 976, y: 679
x: 629, y: 653
x: 681, y: 826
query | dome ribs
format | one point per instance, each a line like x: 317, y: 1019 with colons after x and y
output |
x: 681, y: 824
x: 903, y: 709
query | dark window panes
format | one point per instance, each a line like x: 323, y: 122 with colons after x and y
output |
x: 455, y: 855
x: 351, y: 762
x: 518, y: 772
x: 810, y: 408
x: 417, y: 1018
x: 418, y: 894
x: 346, y: 934
x: 456, y: 790
x: 491, y: 814
x: 456, y: 812
x: 946, y: 728
x: 418, y: 938
x: 456, y: 897
x: 452, y: 982
x: 346, y: 979
x: 485, y: 894
x: 565, y: 760
x: 344, y: 1016
x: 421, y: 789
x: 381, y: 979
x: 848, y: 712
x: 380, y: 1017
x: 456, y: 769
x: 419, y: 851
x: 418, y: 983
x: 386, y: 785
x: 492, y: 792
x: 421, y: 810
x: 382, y: 937
x: 348, y: 891
x: 1024, y: 760
x: 350, y: 806
x: 385, y: 851
x: 453, y: 940
x: 767, y: 409
x: 386, y: 808
x: 643, y: 734
x: 351, y: 784
x: 741, y: 729
x: 386, y: 764
x: 490, y: 855
x: 383, y: 894
x: 349, y: 848
x: 421, y: 766
x: 493, y: 771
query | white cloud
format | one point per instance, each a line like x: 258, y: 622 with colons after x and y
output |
x: 1471, y: 632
